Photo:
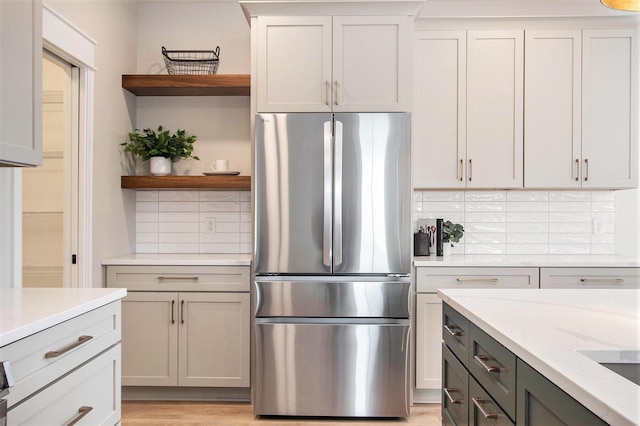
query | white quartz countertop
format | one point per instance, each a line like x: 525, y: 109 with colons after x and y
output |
x: 181, y: 259
x: 549, y: 328
x: 24, y: 312
x: 538, y: 261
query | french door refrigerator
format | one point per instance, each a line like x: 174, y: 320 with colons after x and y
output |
x: 332, y: 258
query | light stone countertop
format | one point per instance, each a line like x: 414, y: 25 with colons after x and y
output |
x: 25, y: 311
x: 180, y: 259
x: 537, y: 261
x: 548, y: 328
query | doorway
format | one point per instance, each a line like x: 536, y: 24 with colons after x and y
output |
x: 50, y: 192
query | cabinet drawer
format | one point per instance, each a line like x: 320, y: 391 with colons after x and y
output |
x: 455, y: 390
x: 455, y: 332
x: 483, y: 410
x: 179, y: 278
x: 494, y: 367
x: 92, y: 390
x: 429, y: 280
x: 590, y: 278
x: 43, y: 357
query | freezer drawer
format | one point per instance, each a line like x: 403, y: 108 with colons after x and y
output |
x: 345, y: 299
x: 344, y: 370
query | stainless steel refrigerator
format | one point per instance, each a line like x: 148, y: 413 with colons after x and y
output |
x: 332, y: 258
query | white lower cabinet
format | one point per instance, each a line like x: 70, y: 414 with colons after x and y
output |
x: 185, y: 338
x: 590, y: 278
x: 428, y: 340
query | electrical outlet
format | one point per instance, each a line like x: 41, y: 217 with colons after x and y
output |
x: 597, y: 225
x: 210, y: 225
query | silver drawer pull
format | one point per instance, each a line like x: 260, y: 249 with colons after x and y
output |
x: 481, y: 360
x: 451, y: 332
x: 447, y: 391
x: 479, y: 280
x: 178, y: 278
x: 602, y: 280
x: 82, y: 411
x: 477, y: 402
x: 55, y: 354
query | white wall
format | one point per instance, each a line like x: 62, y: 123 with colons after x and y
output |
x: 112, y: 24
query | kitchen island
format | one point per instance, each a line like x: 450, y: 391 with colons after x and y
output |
x: 63, y: 349
x: 564, y: 335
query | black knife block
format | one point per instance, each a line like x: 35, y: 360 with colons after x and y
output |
x: 421, y: 243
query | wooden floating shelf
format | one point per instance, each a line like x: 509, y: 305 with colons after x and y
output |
x: 186, y: 182
x: 187, y: 85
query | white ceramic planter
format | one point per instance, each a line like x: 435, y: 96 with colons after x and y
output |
x: 160, y: 166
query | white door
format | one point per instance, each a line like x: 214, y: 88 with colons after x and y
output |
x: 50, y: 192
x: 294, y: 64
x: 552, y: 132
x: 495, y: 62
x: 369, y: 63
x: 610, y: 109
x: 428, y: 341
x: 439, y: 113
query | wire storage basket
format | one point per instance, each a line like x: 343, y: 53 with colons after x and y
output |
x: 191, y: 61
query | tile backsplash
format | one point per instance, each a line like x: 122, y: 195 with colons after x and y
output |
x: 524, y: 222
x: 193, y: 222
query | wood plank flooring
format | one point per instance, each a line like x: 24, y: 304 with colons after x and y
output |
x: 161, y: 413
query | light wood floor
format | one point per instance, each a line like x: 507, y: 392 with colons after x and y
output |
x: 240, y: 414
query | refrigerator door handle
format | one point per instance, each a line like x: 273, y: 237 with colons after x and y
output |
x: 337, y: 195
x: 328, y: 197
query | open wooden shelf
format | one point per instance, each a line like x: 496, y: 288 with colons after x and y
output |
x: 187, y: 85
x: 186, y: 182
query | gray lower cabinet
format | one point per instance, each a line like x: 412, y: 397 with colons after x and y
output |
x: 184, y: 338
x: 541, y: 403
x: 486, y: 384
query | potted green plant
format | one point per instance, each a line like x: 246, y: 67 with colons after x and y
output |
x: 161, y: 147
x: 452, y: 232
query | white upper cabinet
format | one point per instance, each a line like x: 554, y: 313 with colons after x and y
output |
x: 581, y: 115
x: 20, y: 83
x: 610, y: 109
x: 324, y: 63
x: 468, y: 119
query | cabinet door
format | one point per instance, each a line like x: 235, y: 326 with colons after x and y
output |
x: 610, y: 109
x: 294, y: 64
x: 552, y: 110
x: 21, y: 83
x: 214, y: 339
x: 439, y: 114
x: 623, y: 278
x: 370, y: 63
x: 150, y: 339
x: 540, y: 402
x: 455, y: 390
x: 428, y: 341
x: 494, y: 109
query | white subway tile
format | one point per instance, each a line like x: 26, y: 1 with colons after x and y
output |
x: 146, y: 206
x: 606, y: 217
x: 147, y: 217
x: 609, y: 228
x: 220, y: 216
x: 528, y: 228
x: 222, y: 237
x: 485, y: 217
x: 245, y: 207
x: 245, y: 195
x: 225, y: 248
x: 485, y: 206
x: 177, y: 248
x: 603, y: 206
x: 178, y: 237
x: 178, y: 196
x: 220, y: 206
x: 555, y: 217
x: 527, y: 196
x: 458, y: 248
x: 146, y: 237
x: 527, y: 249
x: 245, y: 227
x: 435, y: 207
x: 245, y: 238
x: 578, y: 206
x: 416, y: 196
x: 246, y: 217
x: 416, y: 206
x: 178, y: 217
x: 527, y: 217
x: 485, y: 248
x: 147, y: 227
x: 245, y: 248
x: 569, y: 196
x: 224, y: 196
x: 602, y: 249
x: 455, y: 217
x: 485, y: 196
x: 146, y: 248
x: 470, y: 238
x: 178, y: 227
x: 442, y: 196
x: 485, y: 227
x: 146, y: 195
x: 569, y: 239
x: 528, y: 238
x: 227, y: 227
x: 603, y: 196
x: 528, y: 206
x: 569, y: 248
x: 570, y: 228
x: 179, y: 206
x: 602, y: 239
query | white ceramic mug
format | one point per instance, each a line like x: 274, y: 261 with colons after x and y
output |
x: 219, y: 165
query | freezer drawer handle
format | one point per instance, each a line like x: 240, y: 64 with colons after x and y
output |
x: 82, y: 411
x: 448, y: 391
x: 602, y: 280
x: 452, y: 332
x: 477, y: 402
x: 161, y: 278
x: 478, y: 280
x: 55, y: 354
x: 482, y: 361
